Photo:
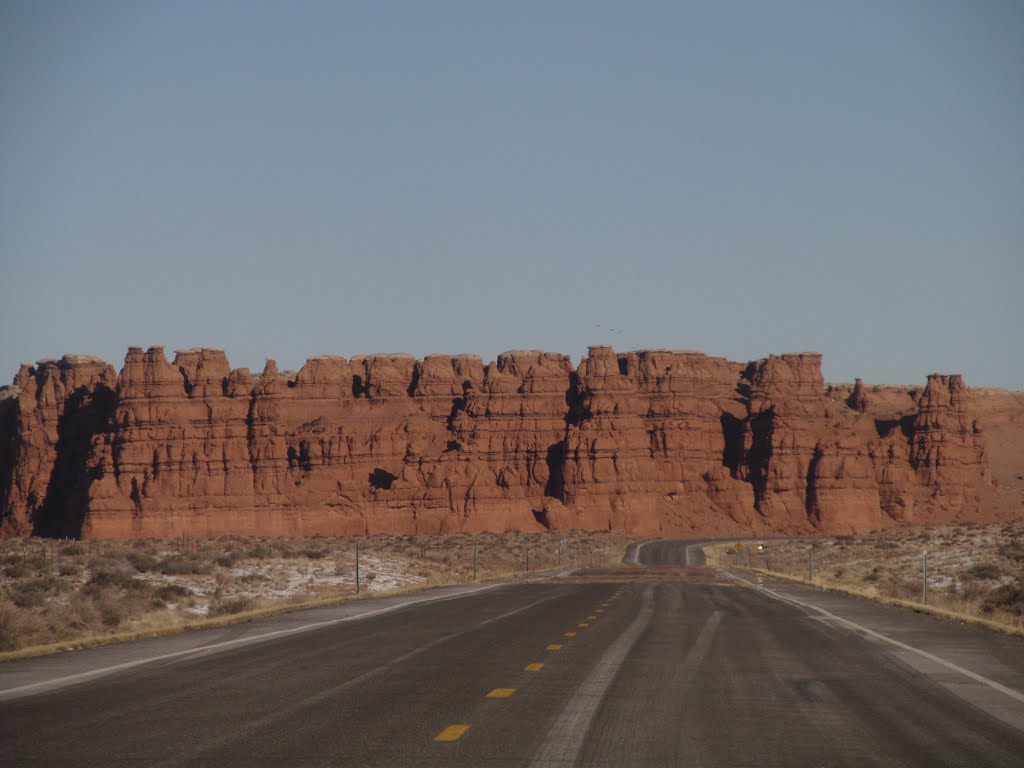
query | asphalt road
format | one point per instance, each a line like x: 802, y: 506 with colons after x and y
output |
x: 650, y: 665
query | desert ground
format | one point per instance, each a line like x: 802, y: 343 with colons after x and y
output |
x: 976, y: 570
x: 55, y: 591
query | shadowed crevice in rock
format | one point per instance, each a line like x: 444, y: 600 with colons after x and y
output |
x: 411, y: 390
x: 810, y: 496
x: 8, y: 450
x: 555, y: 486
x: 758, y: 454
x: 382, y: 480
x: 136, y: 496
x: 299, y: 457
x: 884, y: 427
x: 63, y: 509
x: 575, y: 402
x: 732, y: 433
x: 188, y: 383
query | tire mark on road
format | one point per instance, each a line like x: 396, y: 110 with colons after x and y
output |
x: 565, y: 739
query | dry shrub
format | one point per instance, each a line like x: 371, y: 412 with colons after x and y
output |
x: 33, y: 593
x: 69, y: 569
x: 253, y: 578
x: 972, y: 590
x: 17, y: 626
x: 1012, y: 551
x: 111, y: 608
x: 983, y: 571
x: 172, y: 592
x: 71, y: 549
x: 115, y: 606
x: 1008, y: 598
x: 82, y: 614
x: 182, y: 565
x: 116, y: 577
x: 227, y: 560
x: 143, y: 562
x: 259, y: 552
x: 226, y: 606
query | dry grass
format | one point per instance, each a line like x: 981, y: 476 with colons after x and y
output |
x: 56, y: 593
x: 973, y: 570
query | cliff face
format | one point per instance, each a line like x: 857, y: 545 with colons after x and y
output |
x: 655, y: 442
x: 53, y: 411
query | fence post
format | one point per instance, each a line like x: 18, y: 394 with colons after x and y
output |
x: 924, y: 580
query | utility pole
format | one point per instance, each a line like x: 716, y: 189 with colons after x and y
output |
x: 357, y: 567
x: 527, y: 553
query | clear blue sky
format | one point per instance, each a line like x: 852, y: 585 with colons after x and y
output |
x: 286, y: 179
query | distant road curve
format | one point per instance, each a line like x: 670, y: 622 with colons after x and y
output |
x: 674, y: 552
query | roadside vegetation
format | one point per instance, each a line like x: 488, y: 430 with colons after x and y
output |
x: 69, y: 591
x: 973, y: 570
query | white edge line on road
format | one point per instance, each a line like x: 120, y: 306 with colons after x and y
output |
x: 81, y: 677
x: 1007, y: 691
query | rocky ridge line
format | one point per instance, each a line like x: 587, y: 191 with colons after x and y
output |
x: 653, y: 441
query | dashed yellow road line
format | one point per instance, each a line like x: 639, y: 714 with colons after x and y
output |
x: 534, y: 667
x: 591, y: 618
x: 599, y: 610
x: 584, y: 625
x: 570, y: 634
x: 452, y: 733
x: 501, y: 693
x: 555, y: 647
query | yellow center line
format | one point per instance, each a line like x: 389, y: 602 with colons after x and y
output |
x: 591, y: 618
x: 584, y: 624
x: 555, y: 647
x: 570, y: 634
x: 599, y: 610
x: 501, y: 693
x: 534, y: 667
x: 451, y: 733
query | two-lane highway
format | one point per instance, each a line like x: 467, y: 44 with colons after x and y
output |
x: 649, y: 665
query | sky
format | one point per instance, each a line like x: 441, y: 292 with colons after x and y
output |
x: 292, y: 179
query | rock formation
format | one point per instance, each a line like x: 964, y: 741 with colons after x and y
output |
x: 858, y: 399
x: 654, y: 441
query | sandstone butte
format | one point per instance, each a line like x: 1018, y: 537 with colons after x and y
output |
x: 652, y: 442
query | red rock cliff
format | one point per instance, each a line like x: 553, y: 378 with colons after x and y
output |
x: 659, y: 442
